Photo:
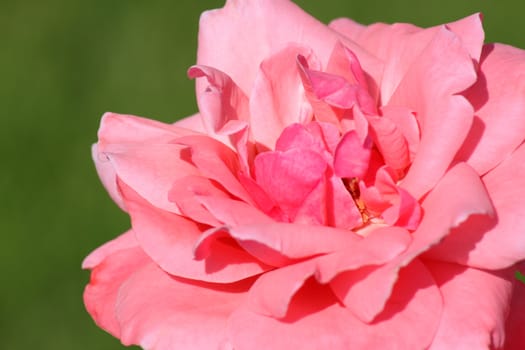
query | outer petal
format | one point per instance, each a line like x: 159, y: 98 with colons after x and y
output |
x: 430, y: 88
x: 162, y: 312
x: 141, y: 154
x: 476, y: 304
x: 169, y: 239
x: 253, y: 30
x: 107, y: 174
x: 400, y: 44
x: 375, y: 283
x: 317, y: 321
x: 499, y: 126
x: 497, y: 243
x: 111, y: 264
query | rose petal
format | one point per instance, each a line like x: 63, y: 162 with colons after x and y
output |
x: 496, y: 243
x: 216, y: 161
x: 124, y: 241
x: 107, y: 174
x: 475, y: 307
x: 444, y: 117
x: 317, y: 321
x: 351, y: 156
x: 169, y: 240
x: 220, y: 100
x: 162, y: 312
x: 253, y: 30
x: 374, y: 284
x: 499, y: 126
x: 277, y: 98
x: 100, y: 295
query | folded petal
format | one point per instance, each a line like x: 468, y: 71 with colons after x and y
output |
x: 163, y: 312
x: 430, y: 88
x: 497, y: 242
x: 124, y: 241
x: 277, y: 98
x: 107, y: 174
x: 475, y: 307
x: 497, y: 96
x: 169, y: 240
x: 107, y: 276
x: 253, y: 30
x: 316, y: 320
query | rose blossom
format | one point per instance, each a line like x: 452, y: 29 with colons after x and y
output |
x: 342, y: 187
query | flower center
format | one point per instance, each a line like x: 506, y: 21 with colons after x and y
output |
x: 352, y: 186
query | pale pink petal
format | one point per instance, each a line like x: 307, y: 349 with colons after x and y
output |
x: 150, y: 169
x: 377, y: 248
x: 475, y: 307
x: 496, y: 243
x: 162, y: 312
x: 184, y: 194
x: 430, y: 88
x: 107, y: 276
x: 399, y: 45
x: 406, y: 122
x: 193, y: 123
x: 375, y: 283
x: 317, y: 321
x: 220, y: 100
x: 169, y: 240
x: 140, y: 153
x: 250, y: 31
x: 129, y: 129
x: 124, y: 241
x: 497, y: 96
x: 516, y: 319
x: 279, y: 243
x: 277, y: 98
x: 107, y: 174
x: 390, y: 141
x: 216, y: 161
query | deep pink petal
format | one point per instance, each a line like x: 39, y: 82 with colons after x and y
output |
x: 289, y: 177
x: 317, y: 321
x: 430, y: 88
x: 496, y: 243
x: 351, y: 156
x: 169, y: 240
x: 162, y: 312
x: 107, y: 276
x: 475, y: 307
x: 499, y: 126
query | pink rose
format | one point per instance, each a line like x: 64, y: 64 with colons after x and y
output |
x: 342, y: 187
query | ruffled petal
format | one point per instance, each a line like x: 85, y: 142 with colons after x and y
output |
x: 430, y: 88
x: 475, y: 307
x: 169, y: 240
x: 497, y: 96
x: 250, y: 31
x: 277, y: 98
x: 317, y: 321
x: 111, y: 265
x: 497, y: 242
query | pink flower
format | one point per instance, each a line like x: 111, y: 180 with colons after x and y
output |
x: 342, y: 187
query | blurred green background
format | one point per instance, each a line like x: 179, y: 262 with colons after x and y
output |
x: 62, y: 64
